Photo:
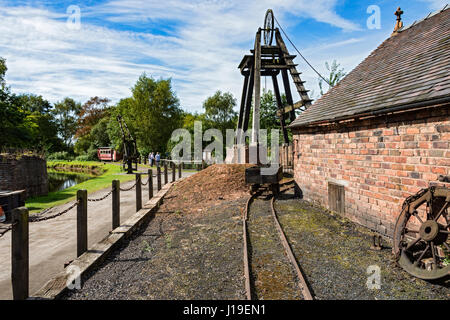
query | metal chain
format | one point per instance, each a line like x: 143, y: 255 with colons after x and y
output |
x: 32, y: 219
x: 144, y: 184
x: 5, y: 231
x: 102, y: 198
x: 132, y: 187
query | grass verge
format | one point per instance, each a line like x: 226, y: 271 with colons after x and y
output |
x: 106, y: 174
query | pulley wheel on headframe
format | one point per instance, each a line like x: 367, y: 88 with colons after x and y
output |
x: 269, y: 26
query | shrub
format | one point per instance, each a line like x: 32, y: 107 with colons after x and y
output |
x: 83, y: 157
x: 63, y: 155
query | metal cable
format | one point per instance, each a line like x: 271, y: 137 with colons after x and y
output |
x: 309, y: 64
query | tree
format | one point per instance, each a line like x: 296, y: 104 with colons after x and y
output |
x: 3, y: 70
x: 90, y: 114
x: 219, y: 109
x: 25, y: 120
x: 66, y: 113
x: 268, y: 111
x: 122, y: 108
x: 40, y: 123
x: 155, y: 113
x: 335, y: 75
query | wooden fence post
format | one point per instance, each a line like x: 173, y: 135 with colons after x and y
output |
x: 82, y: 230
x: 166, y: 176
x: 138, y: 192
x: 174, y: 171
x: 179, y: 170
x: 20, y: 254
x: 115, y: 204
x: 158, y: 177
x: 150, y: 184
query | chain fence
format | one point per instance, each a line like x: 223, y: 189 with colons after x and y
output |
x: 102, y: 198
x: 39, y: 217
x: 144, y: 184
x: 130, y: 188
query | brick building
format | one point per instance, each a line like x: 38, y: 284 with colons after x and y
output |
x: 382, y: 133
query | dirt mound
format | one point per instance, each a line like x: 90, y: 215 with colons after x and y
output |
x: 208, y: 187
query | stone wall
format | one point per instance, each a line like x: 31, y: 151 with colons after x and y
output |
x: 18, y: 172
x: 376, y: 162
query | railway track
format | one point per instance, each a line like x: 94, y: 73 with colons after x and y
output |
x: 270, y: 267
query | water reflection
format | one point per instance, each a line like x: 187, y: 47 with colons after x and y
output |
x: 58, y: 181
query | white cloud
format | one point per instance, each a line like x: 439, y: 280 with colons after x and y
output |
x: 201, y: 54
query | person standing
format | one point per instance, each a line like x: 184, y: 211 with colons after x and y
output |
x: 151, y: 158
x: 158, y: 159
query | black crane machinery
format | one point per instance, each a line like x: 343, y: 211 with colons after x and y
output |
x: 267, y: 59
x: 131, y: 154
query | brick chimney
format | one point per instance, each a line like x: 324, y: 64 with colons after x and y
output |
x: 399, y: 23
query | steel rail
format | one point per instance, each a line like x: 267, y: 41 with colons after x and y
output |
x: 304, y: 288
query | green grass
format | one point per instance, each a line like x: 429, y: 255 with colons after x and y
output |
x: 108, y: 173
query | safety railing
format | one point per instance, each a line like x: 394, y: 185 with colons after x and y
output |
x: 20, y: 222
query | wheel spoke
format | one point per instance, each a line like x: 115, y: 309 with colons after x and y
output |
x: 413, y: 243
x: 442, y: 210
x: 411, y: 230
x: 444, y: 231
x: 421, y: 255
x: 417, y: 216
x: 447, y: 246
x: 434, y: 256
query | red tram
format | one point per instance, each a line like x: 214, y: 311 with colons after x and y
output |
x: 108, y: 154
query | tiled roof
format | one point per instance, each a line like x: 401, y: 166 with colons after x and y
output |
x: 408, y: 68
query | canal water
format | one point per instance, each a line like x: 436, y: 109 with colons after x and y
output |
x: 58, y: 181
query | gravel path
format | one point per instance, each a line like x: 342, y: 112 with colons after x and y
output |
x: 272, y: 275
x: 176, y: 256
x: 181, y: 255
x: 335, y: 255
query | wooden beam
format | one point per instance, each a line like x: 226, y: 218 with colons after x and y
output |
x: 287, y: 89
x: 280, y: 106
x: 248, y: 101
x: 257, y: 105
x: 289, y: 108
x: 115, y: 204
x: 20, y: 254
x: 82, y: 220
x: 242, y: 109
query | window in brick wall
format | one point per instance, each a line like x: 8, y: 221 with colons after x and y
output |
x: 336, y: 197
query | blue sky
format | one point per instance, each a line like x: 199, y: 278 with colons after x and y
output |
x: 198, y: 44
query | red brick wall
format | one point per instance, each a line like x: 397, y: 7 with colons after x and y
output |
x: 381, y: 161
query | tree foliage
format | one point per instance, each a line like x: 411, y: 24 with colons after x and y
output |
x: 335, y: 74
x: 219, y: 109
x: 156, y: 112
x: 90, y: 114
x: 66, y: 114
